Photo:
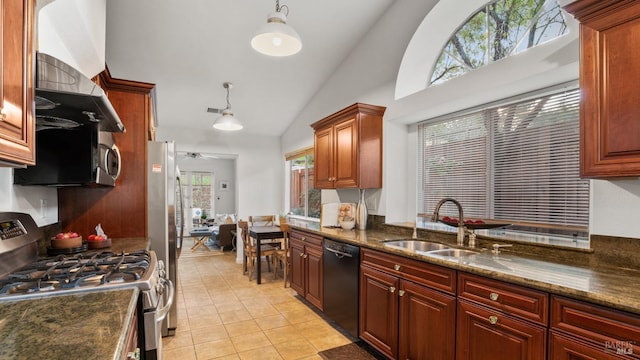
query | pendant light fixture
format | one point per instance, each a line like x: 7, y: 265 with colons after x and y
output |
x: 226, y: 122
x: 276, y: 38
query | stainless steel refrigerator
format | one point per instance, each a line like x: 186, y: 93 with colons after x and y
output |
x: 165, y: 215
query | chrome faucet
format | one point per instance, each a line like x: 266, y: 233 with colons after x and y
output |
x: 461, y: 227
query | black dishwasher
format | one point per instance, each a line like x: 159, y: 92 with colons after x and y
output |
x: 341, y: 284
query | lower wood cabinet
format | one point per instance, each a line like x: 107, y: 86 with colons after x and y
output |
x: 425, y: 323
x: 581, y: 330
x: 306, y: 266
x: 403, y: 319
x: 483, y: 333
x: 563, y: 347
x: 409, y: 310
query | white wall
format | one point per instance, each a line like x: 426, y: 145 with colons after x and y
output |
x: 369, y: 75
x: 40, y: 202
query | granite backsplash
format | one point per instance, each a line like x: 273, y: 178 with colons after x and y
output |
x: 609, y: 251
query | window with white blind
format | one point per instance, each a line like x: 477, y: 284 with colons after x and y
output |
x: 517, y: 163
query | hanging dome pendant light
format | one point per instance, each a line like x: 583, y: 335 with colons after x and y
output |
x: 227, y: 121
x: 276, y: 38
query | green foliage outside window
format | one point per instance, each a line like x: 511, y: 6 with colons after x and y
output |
x: 498, y: 30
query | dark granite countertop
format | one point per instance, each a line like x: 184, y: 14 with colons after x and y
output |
x: 88, y: 325
x: 610, y: 286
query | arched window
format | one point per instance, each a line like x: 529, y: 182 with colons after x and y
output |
x: 500, y: 29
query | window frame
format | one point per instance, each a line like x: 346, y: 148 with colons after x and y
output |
x: 535, y: 227
x: 289, y: 157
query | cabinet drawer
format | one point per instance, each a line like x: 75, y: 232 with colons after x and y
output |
x: 605, y: 327
x: 563, y: 347
x: 307, y: 238
x: 434, y: 276
x: 511, y: 299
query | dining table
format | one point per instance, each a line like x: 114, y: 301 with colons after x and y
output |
x: 261, y: 233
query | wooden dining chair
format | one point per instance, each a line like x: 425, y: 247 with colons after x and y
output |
x: 281, y: 256
x: 262, y: 220
x: 250, y: 253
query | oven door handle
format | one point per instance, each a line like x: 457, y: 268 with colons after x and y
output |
x: 162, y: 313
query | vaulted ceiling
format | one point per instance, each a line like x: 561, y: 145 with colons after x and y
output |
x: 188, y: 48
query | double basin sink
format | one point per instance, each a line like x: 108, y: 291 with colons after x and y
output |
x: 429, y: 248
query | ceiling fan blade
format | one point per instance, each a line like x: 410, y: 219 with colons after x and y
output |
x: 214, y: 110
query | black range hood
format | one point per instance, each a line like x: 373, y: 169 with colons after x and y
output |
x: 66, y: 99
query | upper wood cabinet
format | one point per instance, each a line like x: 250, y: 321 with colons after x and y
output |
x: 609, y: 77
x: 348, y: 148
x: 17, y: 124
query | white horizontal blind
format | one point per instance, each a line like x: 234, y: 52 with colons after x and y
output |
x: 518, y: 162
x: 455, y: 165
x: 536, y: 161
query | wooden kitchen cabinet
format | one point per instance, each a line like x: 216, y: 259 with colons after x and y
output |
x: 379, y: 310
x: 404, y: 319
x: 484, y: 334
x: 307, y: 266
x: 581, y: 330
x: 121, y: 210
x: 348, y: 148
x: 17, y: 122
x: 609, y: 74
x: 497, y: 320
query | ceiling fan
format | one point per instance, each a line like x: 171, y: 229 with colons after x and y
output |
x: 197, y: 155
x: 205, y: 156
x: 227, y: 121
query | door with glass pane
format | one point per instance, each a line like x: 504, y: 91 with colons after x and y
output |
x: 198, y: 194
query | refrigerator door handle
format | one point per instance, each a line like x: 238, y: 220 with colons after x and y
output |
x: 179, y: 200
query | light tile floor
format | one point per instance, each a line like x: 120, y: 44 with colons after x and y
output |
x: 223, y: 315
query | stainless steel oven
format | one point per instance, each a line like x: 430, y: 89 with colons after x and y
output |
x: 23, y: 275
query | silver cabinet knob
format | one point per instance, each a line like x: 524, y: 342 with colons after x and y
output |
x: 493, y: 296
x: 392, y: 289
x: 401, y: 292
x: 396, y: 267
x: 493, y: 320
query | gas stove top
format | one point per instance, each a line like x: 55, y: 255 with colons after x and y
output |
x: 79, y: 272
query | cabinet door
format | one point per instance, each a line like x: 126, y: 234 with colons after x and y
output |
x: 346, y: 154
x: 379, y: 310
x: 609, y: 74
x: 323, y: 159
x: 426, y: 324
x: 297, y: 274
x: 562, y: 347
x: 314, y: 278
x: 17, y: 125
x: 484, y: 334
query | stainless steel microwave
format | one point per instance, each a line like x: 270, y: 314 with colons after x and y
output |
x: 80, y: 156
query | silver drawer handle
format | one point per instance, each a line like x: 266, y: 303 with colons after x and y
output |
x: 396, y: 267
x: 493, y: 320
x: 401, y: 292
x: 493, y: 296
x: 392, y: 289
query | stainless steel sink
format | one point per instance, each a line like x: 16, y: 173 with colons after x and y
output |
x: 453, y: 252
x: 416, y: 245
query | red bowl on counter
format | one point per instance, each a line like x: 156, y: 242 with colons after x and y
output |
x: 99, y: 244
x: 68, y: 243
